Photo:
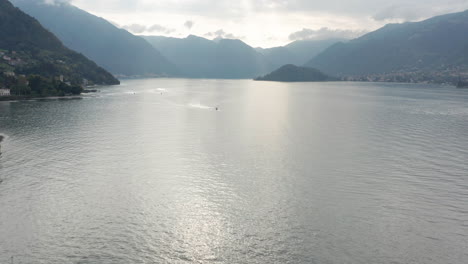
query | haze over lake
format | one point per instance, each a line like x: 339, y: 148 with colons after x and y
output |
x: 151, y: 172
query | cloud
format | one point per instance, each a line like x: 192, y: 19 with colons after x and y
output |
x: 400, y: 12
x: 114, y: 23
x: 138, y: 29
x: 415, y: 12
x: 324, y: 33
x: 57, y: 2
x: 222, y: 34
x: 258, y: 19
x: 135, y: 28
x: 189, y: 24
x: 229, y: 9
x: 161, y: 29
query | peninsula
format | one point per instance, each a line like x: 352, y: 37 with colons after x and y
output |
x: 292, y: 73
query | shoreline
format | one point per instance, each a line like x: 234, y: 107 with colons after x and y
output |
x: 91, y: 90
x: 27, y: 98
x: 31, y: 98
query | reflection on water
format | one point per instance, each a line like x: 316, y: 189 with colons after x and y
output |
x: 150, y: 172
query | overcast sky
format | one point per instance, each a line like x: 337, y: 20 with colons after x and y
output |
x: 263, y: 23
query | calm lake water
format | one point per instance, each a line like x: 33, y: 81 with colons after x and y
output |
x: 150, y: 172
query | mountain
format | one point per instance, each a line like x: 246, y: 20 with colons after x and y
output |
x: 230, y: 58
x: 292, y: 73
x: 114, y: 49
x: 198, y: 57
x: 298, y: 52
x: 279, y: 56
x: 27, y: 48
x: 438, y: 46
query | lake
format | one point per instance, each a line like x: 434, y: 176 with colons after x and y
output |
x: 151, y: 172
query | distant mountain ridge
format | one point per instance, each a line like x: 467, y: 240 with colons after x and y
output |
x: 198, y: 57
x: 298, y: 52
x: 27, y: 48
x: 437, y: 46
x: 232, y: 58
x: 114, y: 49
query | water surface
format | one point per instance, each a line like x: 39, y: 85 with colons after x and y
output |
x: 150, y: 172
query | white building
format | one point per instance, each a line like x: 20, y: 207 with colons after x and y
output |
x: 4, y: 92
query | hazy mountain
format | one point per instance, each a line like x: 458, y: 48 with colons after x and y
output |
x: 28, y: 48
x: 435, y: 45
x: 292, y: 73
x: 198, y: 57
x: 226, y: 58
x: 115, y: 49
x: 298, y: 52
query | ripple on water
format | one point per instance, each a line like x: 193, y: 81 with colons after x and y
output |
x: 286, y: 173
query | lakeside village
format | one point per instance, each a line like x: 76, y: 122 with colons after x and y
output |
x: 17, y: 86
x: 450, y: 76
x: 14, y: 85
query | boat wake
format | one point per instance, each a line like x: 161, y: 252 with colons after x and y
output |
x: 200, y: 106
x: 2, y: 137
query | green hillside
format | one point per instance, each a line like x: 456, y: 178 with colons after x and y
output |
x: 27, y: 48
